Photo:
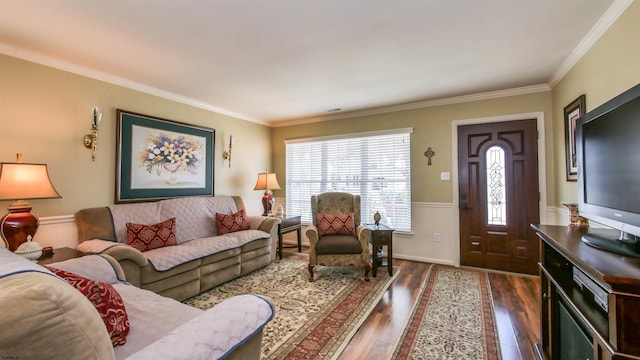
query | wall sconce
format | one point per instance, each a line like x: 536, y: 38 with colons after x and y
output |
x: 91, y: 140
x: 227, y: 154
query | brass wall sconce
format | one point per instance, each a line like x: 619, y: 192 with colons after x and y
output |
x: 227, y: 154
x: 429, y: 154
x: 91, y: 140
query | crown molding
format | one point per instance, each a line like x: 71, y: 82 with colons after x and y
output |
x: 418, y: 105
x: 607, y: 19
x: 610, y: 16
x: 41, y: 59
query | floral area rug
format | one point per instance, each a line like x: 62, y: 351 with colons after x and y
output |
x: 452, y: 319
x: 313, y: 320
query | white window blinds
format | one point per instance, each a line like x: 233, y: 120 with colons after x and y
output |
x: 377, y: 166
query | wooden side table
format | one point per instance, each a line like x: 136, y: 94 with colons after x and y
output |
x: 289, y: 224
x: 60, y: 254
x: 381, y: 235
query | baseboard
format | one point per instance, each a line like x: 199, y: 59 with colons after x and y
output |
x: 425, y: 260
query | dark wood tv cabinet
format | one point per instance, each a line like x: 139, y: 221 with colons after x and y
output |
x: 609, y: 321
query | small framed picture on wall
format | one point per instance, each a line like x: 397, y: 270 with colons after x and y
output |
x: 572, y: 113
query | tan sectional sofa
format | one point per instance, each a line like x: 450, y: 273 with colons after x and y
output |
x: 201, y: 260
x: 43, y: 317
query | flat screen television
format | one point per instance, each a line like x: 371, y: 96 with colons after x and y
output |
x: 608, y: 155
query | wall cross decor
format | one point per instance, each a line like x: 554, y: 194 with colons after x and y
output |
x: 429, y: 154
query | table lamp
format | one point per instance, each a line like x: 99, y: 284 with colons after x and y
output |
x: 267, y: 181
x: 20, y: 182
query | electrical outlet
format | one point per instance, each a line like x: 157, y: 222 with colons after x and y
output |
x: 445, y: 175
x: 436, y: 237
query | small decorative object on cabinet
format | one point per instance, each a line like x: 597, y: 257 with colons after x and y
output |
x: 574, y: 216
x: 381, y: 235
x: 590, y: 298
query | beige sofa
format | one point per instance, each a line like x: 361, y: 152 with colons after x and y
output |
x: 43, y: 317
x: 201, y: 260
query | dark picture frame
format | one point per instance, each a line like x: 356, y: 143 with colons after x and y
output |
x: 158, y: 158
x: 572, y: 113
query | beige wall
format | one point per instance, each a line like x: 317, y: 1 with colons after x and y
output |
x: 610, y: 67
x: 432, y: 127
x: 45, y: 114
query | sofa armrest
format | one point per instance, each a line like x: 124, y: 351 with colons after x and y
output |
x: 312, y: 235
x: 102, y: 268
x: 131, y: 260
x: 216, y: 333
x: 127, y: 252
x: 363, y: 236
x: 268, y: 224
x: 44, y: 317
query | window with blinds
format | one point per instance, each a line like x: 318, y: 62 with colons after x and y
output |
x: 377, y: 166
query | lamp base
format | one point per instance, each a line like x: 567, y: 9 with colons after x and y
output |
x: 267, y: 203
x: 17, y: 225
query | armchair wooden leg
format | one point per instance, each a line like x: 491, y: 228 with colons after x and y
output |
x: 367, y: 268
x: 310, y: 267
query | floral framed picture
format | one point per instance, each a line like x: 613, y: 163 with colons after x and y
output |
x: 572, y: 113
x: 158, y: 158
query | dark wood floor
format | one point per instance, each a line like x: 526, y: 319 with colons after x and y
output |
x: 516, y: 302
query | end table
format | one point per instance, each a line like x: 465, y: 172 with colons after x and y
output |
x: 381, y: 235
x: 289, y: 224
x: 60, y: 254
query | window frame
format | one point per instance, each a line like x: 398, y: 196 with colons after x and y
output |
x: 367, y: 156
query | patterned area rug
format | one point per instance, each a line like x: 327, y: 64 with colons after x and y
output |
x: 313, y: 320
x: 452, y: 319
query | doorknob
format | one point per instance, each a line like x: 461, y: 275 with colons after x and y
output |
x: 463, y: 196
x: 463, y: 206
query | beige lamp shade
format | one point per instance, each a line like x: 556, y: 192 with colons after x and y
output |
x: 20, y: 181
x: 267, y: 181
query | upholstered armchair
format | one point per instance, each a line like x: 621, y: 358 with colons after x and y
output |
x: 336, y: 237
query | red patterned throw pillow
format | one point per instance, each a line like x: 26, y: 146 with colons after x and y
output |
x: 107, y: 301
x: 148, y: 237
x: 231, y: 223
x: 342, y: 224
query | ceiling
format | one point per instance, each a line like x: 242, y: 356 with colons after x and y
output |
x: 281, y: 62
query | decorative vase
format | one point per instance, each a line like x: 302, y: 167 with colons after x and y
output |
x: 172, y: 168
x: 575, y: 220
x: 376, y: 218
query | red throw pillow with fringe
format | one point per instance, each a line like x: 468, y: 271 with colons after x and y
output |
x: 107, y: 301
x: 341, y: 224
x: 231, y: 223
x: 148, y: 237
